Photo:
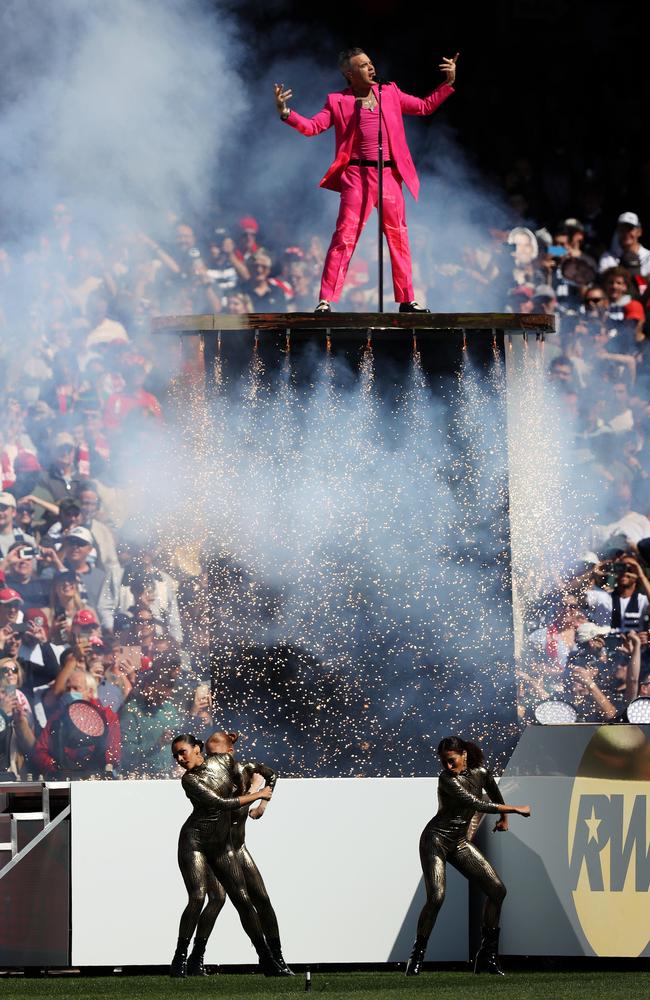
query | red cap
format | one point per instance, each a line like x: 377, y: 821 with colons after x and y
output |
x: 26, y: 461
x: 522, y: 291
x: 8, y: 596
x: 633, y: 310
x: 248, y: 222
x: 85, y: 617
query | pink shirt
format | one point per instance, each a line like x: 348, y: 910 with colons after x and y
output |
x: 364, y: 145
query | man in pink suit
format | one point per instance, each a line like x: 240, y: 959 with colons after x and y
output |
x: 354, y: 114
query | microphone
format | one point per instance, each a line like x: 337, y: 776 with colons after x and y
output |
x: 381, y: 81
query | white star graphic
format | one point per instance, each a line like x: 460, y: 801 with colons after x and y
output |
x: 593, y: 825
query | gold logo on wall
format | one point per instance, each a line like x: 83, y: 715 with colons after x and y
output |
x: 609, y: 841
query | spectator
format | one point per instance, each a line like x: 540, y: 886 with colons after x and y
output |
x: 102, y: 329
x: 11, y: 604
x: 21, y: 573
x: 626, y: 606
x: 61, y: 478
x: 266, y: 293
x: 226, y: 267
x: 10, y: 532
x: 69, y: 510
x: 627, y: 523
x: 586, y: 675
x: 65, y: 600
x: 97, y: 587
x: 151, y: 717
x: 627, y: 240
x: 90, y: 504
x: 617, y: 285
x: 133, y: 399
x: 16, y: 721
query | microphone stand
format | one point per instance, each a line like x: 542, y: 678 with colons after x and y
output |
x: 380, y: 201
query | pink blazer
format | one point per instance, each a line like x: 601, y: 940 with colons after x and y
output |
x: 339, y: 111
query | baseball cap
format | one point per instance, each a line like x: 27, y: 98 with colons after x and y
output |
x: 589, y: 630
x: 544, y: 292
x: 81, y: 533
x: 63, y: 440
x: 8, y: 499
x: 26, y: 461
x: 628, y: 219
x: 634, y: 310
x: 249, y: 223
x: 521, y: 292
x: 573, y: 224
x: 85, y: 617
x: 9, y: 596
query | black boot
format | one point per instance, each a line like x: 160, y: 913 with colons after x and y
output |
x: 276, y: 950
x: 195, y: 961
x: 178, y: 968
x: 414, y: 963
x: 269, y: 965
x: 487, y: 957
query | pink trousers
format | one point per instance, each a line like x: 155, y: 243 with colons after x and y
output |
x: 358, y: 198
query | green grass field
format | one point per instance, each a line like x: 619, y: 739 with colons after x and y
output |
x: 340, y: 986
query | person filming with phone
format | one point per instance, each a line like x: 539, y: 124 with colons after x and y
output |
x: 10, y: 533
x: 625, y: 607
x: 16, y: 721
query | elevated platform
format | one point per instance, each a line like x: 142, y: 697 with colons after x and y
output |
x: 342, y: 324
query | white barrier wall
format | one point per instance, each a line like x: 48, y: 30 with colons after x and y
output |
x: 339, y: 858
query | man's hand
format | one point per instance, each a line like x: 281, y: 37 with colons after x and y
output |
x: 281, y: 98
x: 258, y: 811
x: 448, y: 67
x: 501, y: 825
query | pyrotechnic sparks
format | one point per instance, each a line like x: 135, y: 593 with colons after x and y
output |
x: 356, y: 533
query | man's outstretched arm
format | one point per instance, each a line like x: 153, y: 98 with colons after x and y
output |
x: 427, y: 105
x: 308, y: 126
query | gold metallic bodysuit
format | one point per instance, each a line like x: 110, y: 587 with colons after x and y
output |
x: 444, y: 840
x: 207, y: 860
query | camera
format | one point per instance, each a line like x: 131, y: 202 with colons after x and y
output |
x: 29, y: 552
x: 613, y: 640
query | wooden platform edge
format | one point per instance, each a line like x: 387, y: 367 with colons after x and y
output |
x: 512, y: 323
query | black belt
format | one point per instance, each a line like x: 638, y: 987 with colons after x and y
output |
x: 370, y: 163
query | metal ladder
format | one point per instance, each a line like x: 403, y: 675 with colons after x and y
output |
x: 9, y: 848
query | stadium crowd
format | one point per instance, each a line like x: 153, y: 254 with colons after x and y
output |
x: 103, y: 637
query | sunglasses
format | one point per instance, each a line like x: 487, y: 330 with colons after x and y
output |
x: 5, y: 506
x: 597, y: 298
x: 8, y: 670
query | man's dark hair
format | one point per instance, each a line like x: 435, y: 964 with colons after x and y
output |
x: 346, y: 55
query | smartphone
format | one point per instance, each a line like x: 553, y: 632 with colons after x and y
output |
x: 131, y: 657
x: 555, y: 251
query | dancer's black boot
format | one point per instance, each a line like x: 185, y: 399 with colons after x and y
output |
x: 195, y: 960
x: 178, y: 968
x: 487, y: 957
x: 414, y: 963
x: 269, y: 965
x: 276, y: 950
